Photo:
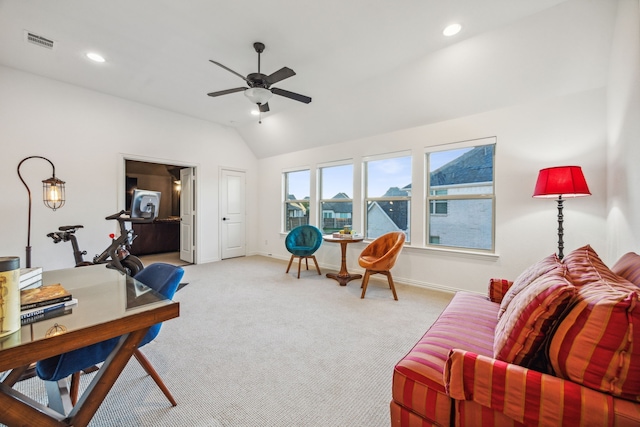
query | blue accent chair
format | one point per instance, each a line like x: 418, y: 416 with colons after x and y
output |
x: 164, y: 279
x: 303, y: 242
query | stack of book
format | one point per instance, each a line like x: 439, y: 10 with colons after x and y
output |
x: 45, y: 302
x: 30, y: 277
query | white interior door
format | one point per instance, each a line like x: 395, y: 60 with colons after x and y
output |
x: 232, y: 209
x: 187, y: 215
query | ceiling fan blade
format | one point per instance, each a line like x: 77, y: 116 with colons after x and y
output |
x: 263, y: 107
x: 230, y: 70
x: 224, y: 92
x: 291, y: 95
x: 281, y: 74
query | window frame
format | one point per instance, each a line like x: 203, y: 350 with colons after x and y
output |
x: 365, y: 189
x: 286, y: 201
x: 446, y: 198
x: 321, y: 200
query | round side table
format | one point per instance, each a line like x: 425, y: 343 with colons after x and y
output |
x: 343, y: 277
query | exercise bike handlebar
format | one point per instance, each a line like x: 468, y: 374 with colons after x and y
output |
x: 127, y: 217
x: 117, y: 215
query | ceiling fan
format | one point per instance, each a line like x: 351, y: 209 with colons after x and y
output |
x: 260, y: 90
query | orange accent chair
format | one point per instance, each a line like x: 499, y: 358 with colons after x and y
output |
x: 380, y: 257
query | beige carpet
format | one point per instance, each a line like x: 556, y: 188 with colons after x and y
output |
x: 257, y: 347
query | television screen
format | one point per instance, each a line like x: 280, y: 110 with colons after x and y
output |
x: 145, y: 204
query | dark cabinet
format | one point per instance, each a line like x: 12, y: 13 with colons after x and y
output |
x: 161, y: 235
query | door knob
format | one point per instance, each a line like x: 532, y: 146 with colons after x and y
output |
x: 224, y: 218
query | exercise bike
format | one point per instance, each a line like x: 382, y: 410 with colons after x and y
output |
x: 117, y: 255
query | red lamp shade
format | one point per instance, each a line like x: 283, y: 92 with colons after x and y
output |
x: 566, y: 181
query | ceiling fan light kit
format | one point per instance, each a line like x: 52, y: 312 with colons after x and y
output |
x: 260, y: 91
x: 258, y: 95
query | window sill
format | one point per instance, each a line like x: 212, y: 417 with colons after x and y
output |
x: 455, y: 252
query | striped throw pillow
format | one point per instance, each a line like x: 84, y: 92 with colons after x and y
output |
x: 530, y: 317
x: 628, y: 266
x: 585, y: 266
x: 596, y: 344
x: 498, y: 289
x: 540, y: 268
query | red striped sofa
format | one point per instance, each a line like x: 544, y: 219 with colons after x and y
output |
x: 469, y: 369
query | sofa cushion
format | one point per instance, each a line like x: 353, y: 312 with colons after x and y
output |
x: 628, y: 267
x: 418, y: 383
x: 540, y: 268
x: 596, y: 343
x: 530, y: 316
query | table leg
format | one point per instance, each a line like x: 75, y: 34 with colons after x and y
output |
x: 343, y: 277
x: 18, y: 409
x: 10, y: 378
x: 92, y: 398
x: 21, y: 410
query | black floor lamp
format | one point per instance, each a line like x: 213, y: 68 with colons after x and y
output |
x: 52, y: 196
x: 559, y: 181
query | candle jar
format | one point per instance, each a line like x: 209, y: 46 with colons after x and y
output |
x: 9, y: 295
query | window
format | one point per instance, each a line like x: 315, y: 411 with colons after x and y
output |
x: 336, y: 200
x: 296, y: 198
x: 438, y: 207
x: 388, y: 196
x: 461, y: 197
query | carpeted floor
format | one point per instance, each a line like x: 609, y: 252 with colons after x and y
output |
x: 254, y: 346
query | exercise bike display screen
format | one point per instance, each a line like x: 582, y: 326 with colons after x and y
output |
x: 145, y: 204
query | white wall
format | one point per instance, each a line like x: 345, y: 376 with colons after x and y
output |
x: 560, y: 131
x: 86, y: 135
x: 623, y: 175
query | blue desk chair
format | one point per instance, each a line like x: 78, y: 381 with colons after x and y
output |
x: 303, y: 242
x: 164, y: 279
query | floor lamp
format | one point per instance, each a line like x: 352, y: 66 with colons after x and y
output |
x: 558, y: 182
x: 52, y: 196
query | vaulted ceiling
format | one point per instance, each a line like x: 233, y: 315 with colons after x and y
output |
x: 370, y: 66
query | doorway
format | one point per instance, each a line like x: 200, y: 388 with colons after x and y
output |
x: 164, y: 237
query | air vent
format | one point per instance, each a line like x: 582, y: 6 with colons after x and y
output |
x: 39, y: 40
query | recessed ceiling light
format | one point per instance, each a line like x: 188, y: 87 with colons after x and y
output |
x: 452, y: 30
x: 95, y: 57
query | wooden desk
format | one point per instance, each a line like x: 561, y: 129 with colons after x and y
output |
x: 343, y: 277
x: 109, y: 305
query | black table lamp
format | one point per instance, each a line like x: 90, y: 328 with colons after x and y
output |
x: 52, y: 196
x: 559, y: 181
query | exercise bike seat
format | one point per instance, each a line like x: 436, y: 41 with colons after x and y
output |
x: 69, y: 227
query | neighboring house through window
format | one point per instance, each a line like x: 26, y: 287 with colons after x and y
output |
x: 388, y: 195
x: 336, y: 202
x: 297, y: 185
x: 461, y: 196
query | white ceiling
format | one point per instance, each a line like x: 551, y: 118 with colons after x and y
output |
x: 370, y: 66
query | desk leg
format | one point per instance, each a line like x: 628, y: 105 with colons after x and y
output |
x: 92, y: 398
x: 343, y: 277
x: 10, y: 378
x: 21, y: 410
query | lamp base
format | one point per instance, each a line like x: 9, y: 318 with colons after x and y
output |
x: 560, y: 229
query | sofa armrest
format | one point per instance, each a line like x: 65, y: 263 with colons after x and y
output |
x: 531, y: 397
x: 497, y: 289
